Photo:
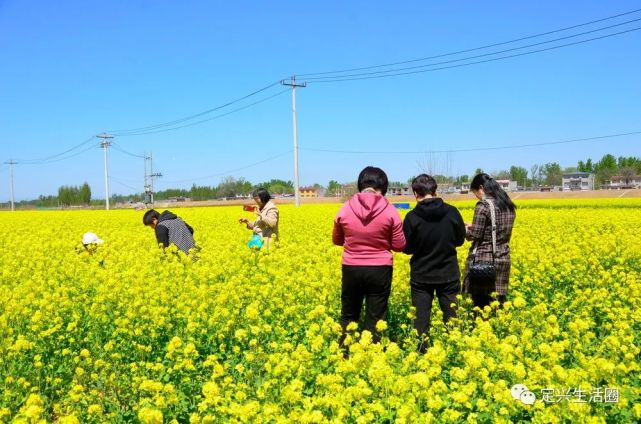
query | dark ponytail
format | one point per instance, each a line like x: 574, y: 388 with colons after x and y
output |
x: 493, y: 190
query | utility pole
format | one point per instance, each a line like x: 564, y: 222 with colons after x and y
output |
x: 105, y: 143
x: 293, y: 85
x: 149, y: 180
x: 11, y: 163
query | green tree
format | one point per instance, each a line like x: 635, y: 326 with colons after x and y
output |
x: 553, y: 174
x: 502, y: 175
x: 605, y: 169
x: 277, y: 186
x: 627, y: 172
x: 462, y: 179
x: 333, y: 188
x: 589, y: 166
x: 202, y: 192
x: 85, y: 194
x: 69, y: 195
x: 535, y: 174
x: 630, y: 162
x: 227, y: 187
x: 244, y: 187
x: 518, y: 174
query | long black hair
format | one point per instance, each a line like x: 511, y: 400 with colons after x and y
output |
x: 263, y: 195
x: 494, y: 190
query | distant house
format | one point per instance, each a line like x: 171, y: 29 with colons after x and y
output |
x: 347, y: 190
x: 399, y: 191
x: 508, y: 185
x: 576, y: 181
x: 308, y: 192
x: 621, y: 182
x: 179, y: 199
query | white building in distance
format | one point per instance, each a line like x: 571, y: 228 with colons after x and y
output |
x: 575, y: 181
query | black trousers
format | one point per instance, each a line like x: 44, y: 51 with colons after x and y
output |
x: 371, y: 283
x: 482, y: 298
x: 422, y: 297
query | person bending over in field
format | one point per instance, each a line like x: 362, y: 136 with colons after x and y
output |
x: 90, y: 242
x: 265, y: 226
x: 170, y: 229
x: 368, y: 227
x: 433, y: 230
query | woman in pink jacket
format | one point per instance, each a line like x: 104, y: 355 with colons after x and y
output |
x: 368, y: 227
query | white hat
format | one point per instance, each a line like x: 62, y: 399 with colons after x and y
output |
x: 89, y: 238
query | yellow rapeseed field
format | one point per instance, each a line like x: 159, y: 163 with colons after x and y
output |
x: 131, y: 334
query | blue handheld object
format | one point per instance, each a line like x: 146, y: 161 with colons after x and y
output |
x: 255, y: 242
x: 401, y: 205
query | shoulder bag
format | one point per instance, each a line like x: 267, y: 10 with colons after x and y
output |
x: 482, y: 274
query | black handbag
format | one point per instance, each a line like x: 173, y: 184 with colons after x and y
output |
x: 481, y: 275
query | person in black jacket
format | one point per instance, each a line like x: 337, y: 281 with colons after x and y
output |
x: 170, y: 229
x: 433, y: 230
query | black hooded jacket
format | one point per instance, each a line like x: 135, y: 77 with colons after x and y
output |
x: 433, y: 230
x: 172, y: 229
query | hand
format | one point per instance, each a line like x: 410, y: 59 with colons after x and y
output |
x: 243, y: 221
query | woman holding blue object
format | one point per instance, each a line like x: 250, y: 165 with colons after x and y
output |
x: 265, y: 226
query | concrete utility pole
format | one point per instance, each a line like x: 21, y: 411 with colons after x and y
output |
x: 11, y: 163
x: 149, y: 180
x: 105, y: 143
x: 293, y: 85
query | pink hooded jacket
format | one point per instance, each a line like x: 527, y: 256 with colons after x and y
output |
x: 368, y: 227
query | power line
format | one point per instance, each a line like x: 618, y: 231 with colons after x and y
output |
x: 230, y: 170
x: 121, y: 150
x: 188, y: 118
x: 469, y: 50
x: 93, y: 146
x: 191, y: 124
x: 57, y: 157
x: 49, y: 158
x: 118, y: 181
x: 473, y: 57
x: 474, y: 149
x: 119, y: 177
x: 477, y: 62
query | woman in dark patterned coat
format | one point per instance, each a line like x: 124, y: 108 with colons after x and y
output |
x: 480, y: 233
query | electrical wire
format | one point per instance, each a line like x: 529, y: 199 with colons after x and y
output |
x: 48, y: 158
x: 60, y: 159
x: 472, y: 57
x: 127, y: 180
x: 229, y: 171
x: 121, y: 150
x: 468, y: 50
x: 191, y: 124
x: 118, y: 181
x: 474, y: 149
x: 476, y: 63
x: 188, y: 118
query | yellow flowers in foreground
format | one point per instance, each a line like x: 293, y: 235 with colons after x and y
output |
x: 133, y: 334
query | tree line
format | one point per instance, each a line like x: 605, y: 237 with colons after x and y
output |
x: 74, y: 195
x: 547, y: 174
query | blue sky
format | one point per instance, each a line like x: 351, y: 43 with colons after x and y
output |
x: 72, y: 69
